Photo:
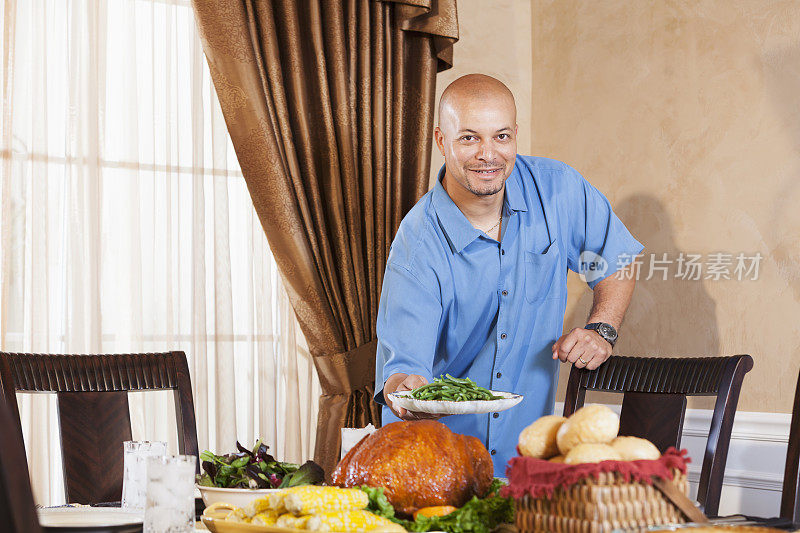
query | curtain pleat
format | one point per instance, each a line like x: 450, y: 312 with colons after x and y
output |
x: 329, y: 105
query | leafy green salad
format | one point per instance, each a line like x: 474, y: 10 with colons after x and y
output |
x: 255, y: 469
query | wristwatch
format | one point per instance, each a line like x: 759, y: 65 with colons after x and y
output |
x: 606, y: 331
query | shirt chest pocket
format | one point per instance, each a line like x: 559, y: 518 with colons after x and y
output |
x: 540, y: 273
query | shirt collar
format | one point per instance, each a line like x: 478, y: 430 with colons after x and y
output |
x: 458, y: 230
x: 515, y: 199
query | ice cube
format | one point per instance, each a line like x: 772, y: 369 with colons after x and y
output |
x: 158, y: 519
x: 159, y: 494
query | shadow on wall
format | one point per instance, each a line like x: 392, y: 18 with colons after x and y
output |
x: 781, y: 68
x: 667, y: 317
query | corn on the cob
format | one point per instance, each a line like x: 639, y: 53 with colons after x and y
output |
x: 237, y: 515
x: 259, y: 505
x: 276, y: 499
x: 358, y: 520
x: 266, y: 518
x: 288, y: 520
x: 313, y: 499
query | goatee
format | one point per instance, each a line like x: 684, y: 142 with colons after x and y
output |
x: 485, y: 192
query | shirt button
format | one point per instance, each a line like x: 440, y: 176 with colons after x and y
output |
x: 494, y: 452
x: 499, y: 375
x: 502, y: 252
x: 496, y: 415
x: 503, y: 335
x: 505, y: 293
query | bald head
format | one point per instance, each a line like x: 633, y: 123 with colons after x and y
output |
x: 477, y: 135
x: 473, y: 90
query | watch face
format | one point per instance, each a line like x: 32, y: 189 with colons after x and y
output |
x: 606, y: 331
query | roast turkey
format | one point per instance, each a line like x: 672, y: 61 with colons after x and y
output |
x: 419, y: 464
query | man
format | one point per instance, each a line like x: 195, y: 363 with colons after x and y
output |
x: 475, y: 283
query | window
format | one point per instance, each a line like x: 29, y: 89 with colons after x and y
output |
x: 127, y: 225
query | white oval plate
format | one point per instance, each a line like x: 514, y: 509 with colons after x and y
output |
x: 473, y: 407
x: 88, y: 517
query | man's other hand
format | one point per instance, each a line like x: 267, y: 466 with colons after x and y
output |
x: 402, y: 382
x: 584, y: 348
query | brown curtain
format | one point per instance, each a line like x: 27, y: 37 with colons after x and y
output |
x: 329, y: 104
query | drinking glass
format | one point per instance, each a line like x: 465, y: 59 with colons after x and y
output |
x: 170, y: 494
x: 134, y: 475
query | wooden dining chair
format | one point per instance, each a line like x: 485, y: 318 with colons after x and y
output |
x: 789, y: 518
x: 790, y: 497
x: 17, y: 510
x: 654, y: 403
x: 92, y: 393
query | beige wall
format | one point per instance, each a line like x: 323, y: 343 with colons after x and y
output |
x: 494, y: 41
x: 686, y: 114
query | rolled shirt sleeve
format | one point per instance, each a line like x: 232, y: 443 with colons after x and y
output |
x: 408, y: 327
x: 596, y: 229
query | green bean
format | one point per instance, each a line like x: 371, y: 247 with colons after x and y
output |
x: 449, y: 388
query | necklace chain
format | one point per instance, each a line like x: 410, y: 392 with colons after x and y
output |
x: 498, y: 223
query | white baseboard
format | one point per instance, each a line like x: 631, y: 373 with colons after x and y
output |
x: 746, y: 479
x: 756, y: 458
x: 749, y: 426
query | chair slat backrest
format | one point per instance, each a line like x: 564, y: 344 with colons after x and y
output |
x: 790, y: 499
x: 93, y: 409
x: 654, y: 403
x: 653, y: 416
x: 17, y: 511
x: 93, y: 427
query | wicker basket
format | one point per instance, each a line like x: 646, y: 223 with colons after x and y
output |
x: 600, y: 505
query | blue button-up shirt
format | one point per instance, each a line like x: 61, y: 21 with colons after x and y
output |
x: 457, y: 301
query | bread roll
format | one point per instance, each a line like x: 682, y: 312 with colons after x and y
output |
x: 539, y: 439
x: 557, y: 459
x: 591, y: 453
x: 592, y: 424
x: 634, y: 448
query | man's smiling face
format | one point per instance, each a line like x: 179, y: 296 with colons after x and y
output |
x: 477, y: 134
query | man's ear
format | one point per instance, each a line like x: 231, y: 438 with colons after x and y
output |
x: 438, y: 136
x: 516, y: 128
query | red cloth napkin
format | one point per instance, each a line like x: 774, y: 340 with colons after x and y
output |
x: 538, y: 477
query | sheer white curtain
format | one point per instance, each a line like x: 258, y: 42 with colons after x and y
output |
x: 127, y: 227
